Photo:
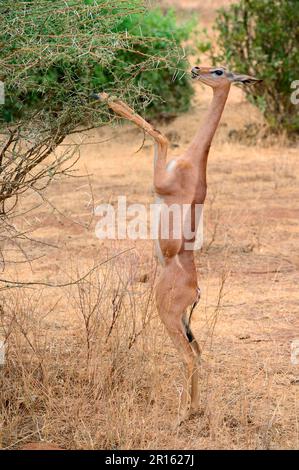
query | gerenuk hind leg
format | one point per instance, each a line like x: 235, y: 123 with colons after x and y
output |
x: 175, y: 292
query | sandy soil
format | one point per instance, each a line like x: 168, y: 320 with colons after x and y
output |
x: 251, y: 246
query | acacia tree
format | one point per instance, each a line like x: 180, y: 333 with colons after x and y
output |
x: 54, y: 54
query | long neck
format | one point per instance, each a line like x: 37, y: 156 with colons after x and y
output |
x: 200, y: 145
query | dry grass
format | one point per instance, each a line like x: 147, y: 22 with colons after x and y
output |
x: 89, y: 366
x: 109, y: 378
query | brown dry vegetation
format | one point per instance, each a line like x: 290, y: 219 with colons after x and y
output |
x: 89, y: 364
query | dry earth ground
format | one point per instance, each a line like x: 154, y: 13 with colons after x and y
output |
x: 73, y: 380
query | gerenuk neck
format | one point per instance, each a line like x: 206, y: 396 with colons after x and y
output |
x: 200, y: 146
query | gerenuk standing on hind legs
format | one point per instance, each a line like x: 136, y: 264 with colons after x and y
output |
x: 182, y: 181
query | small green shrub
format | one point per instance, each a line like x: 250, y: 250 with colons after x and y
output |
x: 261, y: 37
x: 171, y: 85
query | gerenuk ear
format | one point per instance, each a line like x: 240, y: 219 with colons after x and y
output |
x: 245, y: 79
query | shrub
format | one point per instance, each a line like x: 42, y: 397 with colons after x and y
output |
x: 91, y: 46
x: 261, y: 37
x: 55, y: 53
x: 169, y: 87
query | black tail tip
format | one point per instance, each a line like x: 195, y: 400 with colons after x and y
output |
x: 94, y: 96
